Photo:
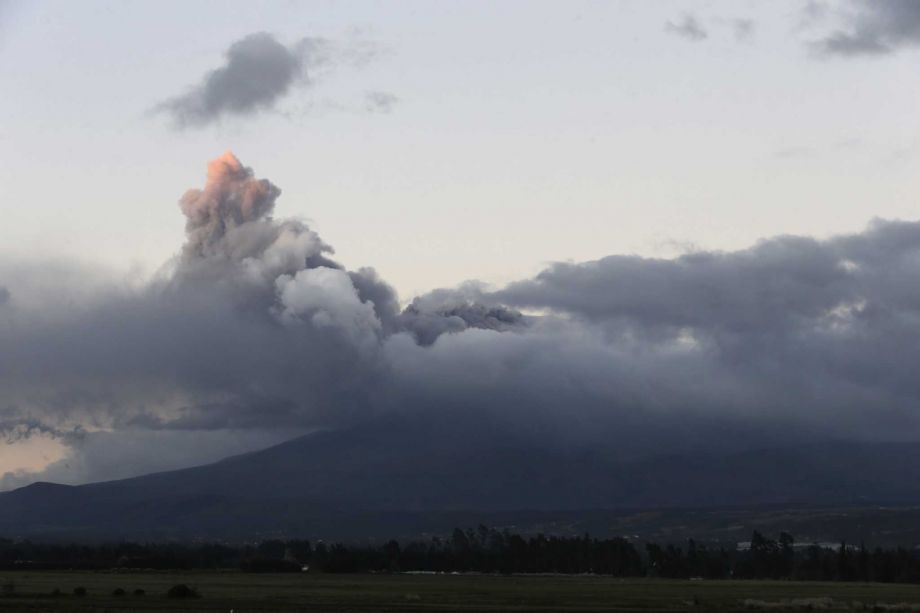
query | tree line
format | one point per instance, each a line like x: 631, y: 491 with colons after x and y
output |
x: 486, y: 550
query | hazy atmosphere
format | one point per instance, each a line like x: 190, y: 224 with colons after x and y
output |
x: 672, y: 225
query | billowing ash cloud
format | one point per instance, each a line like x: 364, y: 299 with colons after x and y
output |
x: 874, y: 27
x: 231, y: 198
x: 228, y: 226
x: 254, y: 329
x: 257, y: 73
x: 687, y: 27
x: 441, y: 311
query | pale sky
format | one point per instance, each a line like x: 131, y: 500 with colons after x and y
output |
x: 523, y: 133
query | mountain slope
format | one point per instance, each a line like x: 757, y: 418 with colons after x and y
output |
x: 406, y: 478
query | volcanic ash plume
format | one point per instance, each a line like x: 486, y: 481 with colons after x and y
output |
x: 256, y: 328
x: 233, y: 242
x: 230, y: 198
x: 281, y: 266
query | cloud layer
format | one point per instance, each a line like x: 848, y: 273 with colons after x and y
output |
x: 254, y: 329
x: 874, y: 27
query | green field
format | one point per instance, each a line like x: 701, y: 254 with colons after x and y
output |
x: 31, y: 591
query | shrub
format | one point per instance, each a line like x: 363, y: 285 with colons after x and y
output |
x: 118, y: 592
x: 79, y: 591
x: 56, y: 592
x: 182, y: 591
x: 139, y: 592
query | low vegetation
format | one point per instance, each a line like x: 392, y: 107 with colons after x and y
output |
x: 444, y: 593
x: 492, y: 551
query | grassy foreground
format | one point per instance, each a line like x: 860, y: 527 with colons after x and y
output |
x: 31, y: 591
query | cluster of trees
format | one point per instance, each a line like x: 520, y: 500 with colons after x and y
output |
x: 487, y: 550
x: 16, y: 555
x: 781, y: 559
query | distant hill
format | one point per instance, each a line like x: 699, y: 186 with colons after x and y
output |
x: 396, y: 479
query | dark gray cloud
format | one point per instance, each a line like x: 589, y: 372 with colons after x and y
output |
x: 687, y: 27
x: 4, y: 295
x: 254, y: 329
x: 19, y: 429
x: 873, y: 27
x: 454, y: 310
x: 789, y: 319
x: 258, y: 72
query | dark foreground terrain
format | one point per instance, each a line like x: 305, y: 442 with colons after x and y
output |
x: 444, y: 593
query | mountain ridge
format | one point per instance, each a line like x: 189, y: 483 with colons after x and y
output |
x: 356, y: 482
